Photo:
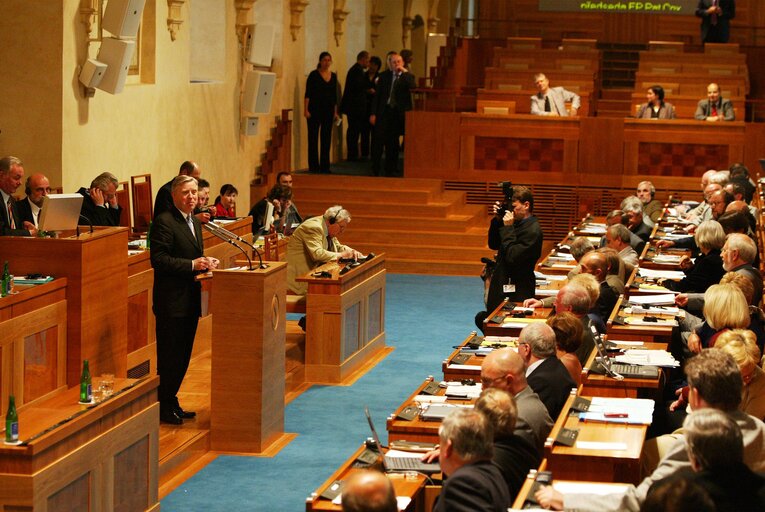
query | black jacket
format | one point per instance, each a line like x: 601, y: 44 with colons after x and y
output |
x: 518, y: 247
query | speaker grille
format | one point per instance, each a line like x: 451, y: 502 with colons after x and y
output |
x: 140, y: 370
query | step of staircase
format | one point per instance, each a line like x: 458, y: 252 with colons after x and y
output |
x: 421, y: 227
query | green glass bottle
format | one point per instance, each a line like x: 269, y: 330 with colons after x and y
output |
x: 11, y: 422
x: 6, y: 281
x: 86, y: 387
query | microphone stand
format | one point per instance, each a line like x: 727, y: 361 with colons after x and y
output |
x: 222, y: 236
x: 238, y: 238
x: 77, y: 228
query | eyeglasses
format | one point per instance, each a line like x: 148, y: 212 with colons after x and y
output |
x: 488, y: 381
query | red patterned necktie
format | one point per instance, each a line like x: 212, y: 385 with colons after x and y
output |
x: 714, y: 110
x: 11, y: 220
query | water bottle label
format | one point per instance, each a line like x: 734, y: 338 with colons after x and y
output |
x: 90, y: 392
x: 14, y: 431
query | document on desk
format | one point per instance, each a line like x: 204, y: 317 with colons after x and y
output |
x: 510, y: 341
x: 653, y: 310
x: 548, y: 277
x: 642, y: 357
x: 459, y: 389
x: 589, y: 488
x: 430, y: 399
x: 630, y: 411
x: 401, y: 501
x: 546, y: 292
x: 593, y: 229
x: 660, y: 274
x: 658, y: 322
x: 667, y: 258
x: 663, y: 299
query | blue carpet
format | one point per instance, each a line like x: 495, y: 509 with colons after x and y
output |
x: 425, y: 317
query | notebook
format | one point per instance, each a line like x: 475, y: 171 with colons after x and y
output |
x: 400, y: 463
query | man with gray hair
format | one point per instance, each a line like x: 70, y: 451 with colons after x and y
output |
x: 315, y: 242
x: 369, y: 491
x: 473, y: 483
x: 618, y: 238
x: 652, y: 208
x: 11, y: 223
x: 99, y: 204
x: 545, y: 374
x: 738, y: 254
x: 635, y: 221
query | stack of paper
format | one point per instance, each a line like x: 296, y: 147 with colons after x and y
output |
x: 457, y: 388
x: 653, y: 310
x: 633, y: 411
x: 644, y: 357
x: 660, y: 274
x: 665, y: 299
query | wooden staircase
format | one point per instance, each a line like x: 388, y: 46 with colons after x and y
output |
x: 422, y: 228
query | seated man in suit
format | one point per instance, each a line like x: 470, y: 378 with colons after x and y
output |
x: 99, y: 205
x: 164, y: 200
x: 11, y: 224
x: 315, y: 242
x: 633, y: 207
x: 36, y: 188
x: 551, y: 101
x: 369, y: 491
x: 596, y: 264
x: 545, y: 373
x: 652, y: 207
x: 281, y: 199
x: 293, y: 218
x: 714, y: 108
x: 473, y: 482
x: 618, y: 238
x: 504, y: 369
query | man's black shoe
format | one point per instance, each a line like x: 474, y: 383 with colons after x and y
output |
x: 185, y: 415
x: 170, y: 417
x: 301, y: 323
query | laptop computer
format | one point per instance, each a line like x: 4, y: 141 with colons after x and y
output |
x: 619, y: 370
x: 400, y: 463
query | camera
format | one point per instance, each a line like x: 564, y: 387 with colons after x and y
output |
x: 507, y: 197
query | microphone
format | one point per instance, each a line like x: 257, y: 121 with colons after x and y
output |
x: 77, y: 229
x: 229, y: 240
x: 236, y: 237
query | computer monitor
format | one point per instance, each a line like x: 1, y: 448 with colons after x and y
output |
x: 269, y: 219
x: 60, y: 212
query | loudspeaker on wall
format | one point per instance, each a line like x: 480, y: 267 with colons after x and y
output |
x: 259, y: 49
x: 250, y: 126
x: 258, y: 91
x: 123, y: 17
x: 92, y: 73
x: 116, y: 54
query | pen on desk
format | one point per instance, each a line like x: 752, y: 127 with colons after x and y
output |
x: 615, y: 415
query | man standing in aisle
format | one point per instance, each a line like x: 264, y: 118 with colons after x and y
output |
x: 517, y: 238
x: 390, y: 103
x: 177, y: 257
x: 354, y: 103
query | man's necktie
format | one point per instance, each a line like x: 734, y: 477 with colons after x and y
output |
x: 391, y: 101
x: 714, y: 110
x: 330, y: 244
x: 547, y: 104
x: 713, y: 17
x: 190, y: 222
x: 11, y: 220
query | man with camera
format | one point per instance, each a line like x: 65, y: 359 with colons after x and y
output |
x: 515, y: 234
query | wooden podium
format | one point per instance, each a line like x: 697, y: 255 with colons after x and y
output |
x: 345, y: 319
x: 96, y: 268
x: 247, y: 374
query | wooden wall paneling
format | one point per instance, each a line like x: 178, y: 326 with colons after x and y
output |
x: 440, y: 130
x: 755, y: 147
x: 141, y: 323
x: 601, y: 145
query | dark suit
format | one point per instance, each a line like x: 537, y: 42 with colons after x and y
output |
x: 354, y: 106
x: 164, y: 200
x: 24, y: 209
x: 98, y: 215
x: 607, y: 301
x: 177, y: 298
x: 5, y: 224
x: 707, y: 270
x: 475, y: 487
x: 718, y: 32
x: 514, y: 457
x: 389, y: 108
x: 552, y: 382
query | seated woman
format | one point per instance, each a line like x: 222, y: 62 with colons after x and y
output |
x: 708, y: 268
x: 756, y: 317
x: 568, y: 336
x: 225, y: 203
x: 280, y: 196
x: 656, y: 108
x: 740, y: 344
x: 725, y: 308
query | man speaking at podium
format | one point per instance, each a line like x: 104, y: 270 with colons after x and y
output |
x: 315, y: 242
x: 177, y: 257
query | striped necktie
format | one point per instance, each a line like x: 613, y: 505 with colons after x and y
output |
x: 11, y: 220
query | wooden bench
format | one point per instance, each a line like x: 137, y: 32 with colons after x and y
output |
x: 495, y: 107
x: 522, y: 99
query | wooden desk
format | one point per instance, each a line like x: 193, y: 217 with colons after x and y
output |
x: 647, y: 333
x: 96, y: 267
x: 33, y: 343
x: 511, y: 326
x: 345, y: 319
x: 410, y: 487
x: 103, y: 458
x: 574, y: 463
x: 417, y: 429
x: 594, y: 384
x: 452, y: 373
x: 142, y: 336
x: 650, y: 252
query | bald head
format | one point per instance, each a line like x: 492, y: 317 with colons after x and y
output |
x: 736, y: 206
x: 504, y: 369
x: 369, y: 491
x: 595, y: 264
x: 37, y: 187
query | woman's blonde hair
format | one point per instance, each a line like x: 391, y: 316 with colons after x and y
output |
x: 725, y: 307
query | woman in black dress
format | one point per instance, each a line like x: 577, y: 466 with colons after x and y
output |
x: 321, y: 111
